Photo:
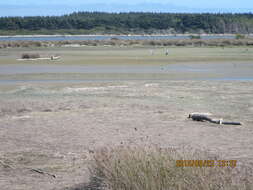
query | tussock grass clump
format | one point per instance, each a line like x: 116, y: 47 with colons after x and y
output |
x: 155, y: 169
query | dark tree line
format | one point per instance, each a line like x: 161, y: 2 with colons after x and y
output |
x: 177, y: 23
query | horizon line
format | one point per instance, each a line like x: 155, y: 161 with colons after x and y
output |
x: 134, y: 12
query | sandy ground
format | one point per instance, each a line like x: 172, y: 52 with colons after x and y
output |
x: 57, y: 127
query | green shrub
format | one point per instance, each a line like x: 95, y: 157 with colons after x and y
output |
x: 239, y: 36
x: 194, y: 37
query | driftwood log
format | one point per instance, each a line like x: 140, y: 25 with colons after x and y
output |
x: 5, y: 165
x: 206, y: 117
x: 42, y: 172
x: 31, y: 169
x: 40, y: 58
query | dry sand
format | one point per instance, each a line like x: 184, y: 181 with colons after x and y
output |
x: 57, y: 127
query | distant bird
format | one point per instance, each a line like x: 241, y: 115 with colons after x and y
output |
x: 167, y: 52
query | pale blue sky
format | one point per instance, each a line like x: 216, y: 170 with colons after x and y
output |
x: 59, y: 7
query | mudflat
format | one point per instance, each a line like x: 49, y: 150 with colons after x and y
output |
x: 82, y: 64
x: 56, y: 128
x: 55, y: 125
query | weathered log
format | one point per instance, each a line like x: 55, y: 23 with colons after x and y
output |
x: 198, y: 117
x: 205, y: 117
x: 31, y: 169
x: 42, y: 172
x: 198, y: 113
x: 40, y: 58
x: 231, y: 123
x: 5, y: 165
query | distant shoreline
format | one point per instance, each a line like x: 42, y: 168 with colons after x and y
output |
x: 117, y: 40
x: 94, y: 35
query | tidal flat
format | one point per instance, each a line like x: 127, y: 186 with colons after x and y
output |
x: 55, y: 114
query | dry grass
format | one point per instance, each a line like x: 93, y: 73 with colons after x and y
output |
x: 119, y: 42
x: 155, y: 169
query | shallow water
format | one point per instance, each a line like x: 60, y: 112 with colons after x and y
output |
x: 42, y: 73
x: 35, y: 69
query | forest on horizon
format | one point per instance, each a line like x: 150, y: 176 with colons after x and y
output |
x: 129, y: 23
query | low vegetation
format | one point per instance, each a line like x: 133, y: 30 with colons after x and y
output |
x: 12, y: 44
x: 119, y: 42
x: 195, y: 37
x: 155, y: 169
x: 239, y: 36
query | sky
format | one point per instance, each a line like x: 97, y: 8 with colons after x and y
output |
x: 61, y: 7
